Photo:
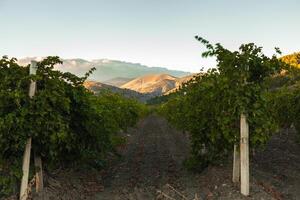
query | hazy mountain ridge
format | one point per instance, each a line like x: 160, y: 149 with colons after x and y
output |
x: 114, y: 75
x: 108, y: 69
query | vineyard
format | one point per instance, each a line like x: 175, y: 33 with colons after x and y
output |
x: 67, y: 123
x: 210, y: 105
x: 199, y: 125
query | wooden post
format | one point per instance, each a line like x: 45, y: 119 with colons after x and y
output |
x: 244, y: 151
x: 236, y: 165
x: 26, y: 157
x: 39, y: 183
x: 25, y: 169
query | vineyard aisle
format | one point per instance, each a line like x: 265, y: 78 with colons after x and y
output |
x: 153, y: 158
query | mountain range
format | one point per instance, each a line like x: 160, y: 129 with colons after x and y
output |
x: 142, y: 88
x: 112, y: 72
x: 132, y: 80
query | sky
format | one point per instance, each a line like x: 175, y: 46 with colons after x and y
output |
x: 150, y: 32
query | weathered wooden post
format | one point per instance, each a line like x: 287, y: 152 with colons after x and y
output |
x: 26, y: 157
x: 236, y: 164
x: 39, y: 183
x: 244, y: 151
x: 25, y: 169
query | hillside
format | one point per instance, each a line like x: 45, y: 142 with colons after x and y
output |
x: 118, y: 81
x: 179, y: 82
x: 157, y: 84
x: 107, y: 70
x: 292, y: 59
x: 97, y: 87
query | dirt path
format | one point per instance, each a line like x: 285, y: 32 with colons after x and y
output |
x: 152, y: 159
x: 278, y: 165
x: 151, y: 162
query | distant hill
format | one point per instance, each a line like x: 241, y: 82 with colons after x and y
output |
x: 156, y: 84
x: 118, y: 81
x: 179, y: 82
x: 107, y: 70
x: 97, y: 87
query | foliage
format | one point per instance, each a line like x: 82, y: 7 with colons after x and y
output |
x: 292, y: 59
x: 290, y: 73
x: 284, y: 98
x: 125, y: 112
x: 285, y: 104
x: 67, y: 123
x: 209, y: 106
x: 159, y: 99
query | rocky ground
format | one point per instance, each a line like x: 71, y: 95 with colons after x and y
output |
x: 151, y: 168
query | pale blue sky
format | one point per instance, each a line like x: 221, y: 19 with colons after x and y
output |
x: 152, y: 32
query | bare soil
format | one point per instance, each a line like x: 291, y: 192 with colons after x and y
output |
x: 151, y: 168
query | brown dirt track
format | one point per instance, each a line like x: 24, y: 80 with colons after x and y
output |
x: 151, y: 165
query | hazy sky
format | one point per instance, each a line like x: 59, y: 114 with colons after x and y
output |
x: 152, y: 32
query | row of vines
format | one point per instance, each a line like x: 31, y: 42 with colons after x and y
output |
x: 245, y: 81
x: 68, y: 124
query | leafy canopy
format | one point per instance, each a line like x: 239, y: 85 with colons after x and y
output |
x: 67, y: 123
x: 209, y: 106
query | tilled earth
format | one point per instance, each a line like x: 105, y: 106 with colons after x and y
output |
x: 151, y: 168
